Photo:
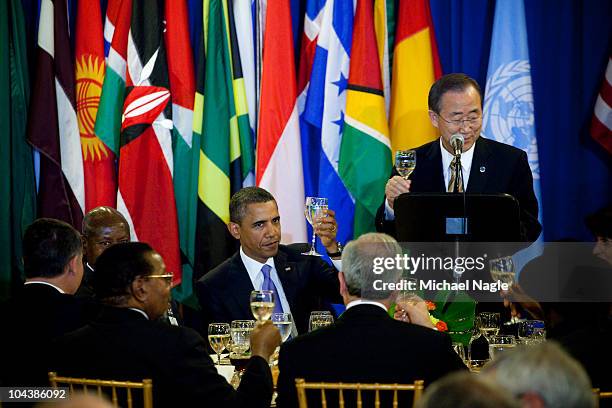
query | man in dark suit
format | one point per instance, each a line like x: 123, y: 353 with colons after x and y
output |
x: 366, y: 344
x: 302, y: 283
x: 45, y: 307
x: 130, y: 344
x: 487, y: 166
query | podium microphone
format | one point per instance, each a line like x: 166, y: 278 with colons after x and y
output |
x: 456, y: 142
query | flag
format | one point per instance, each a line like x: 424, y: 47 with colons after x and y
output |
x: 146, y: 192
x: 220, y: 124
x: 601, y: 124
x: 324, y: 111
x: 278, y: 140
x: 365, y: 152
x: 98, y: 160
x: 185, y: 154
x: 52, y: 128
x: 17, y: 183
x: 416, y: 66
x: 382, y: 13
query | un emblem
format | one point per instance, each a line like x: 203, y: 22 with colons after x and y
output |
x: 508, y: 110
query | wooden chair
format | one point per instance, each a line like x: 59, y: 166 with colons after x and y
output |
x: 599, y: 394
x: 85, y: 383
x: 302, y: 386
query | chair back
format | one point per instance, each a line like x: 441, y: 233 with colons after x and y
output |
x: 104, y: 386
x: 301, y: 385
x: 599, y: 395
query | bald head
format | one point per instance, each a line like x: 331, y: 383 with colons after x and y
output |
x: 103, y: 227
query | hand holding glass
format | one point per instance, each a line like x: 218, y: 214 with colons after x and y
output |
x: 405, y: 162
x: 316, y: 207
x: 262, y: 304
x: 502, y: 269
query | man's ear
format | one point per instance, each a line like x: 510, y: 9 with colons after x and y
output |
x: 343, y: 288
x: 72, y: 265
x: 234, y: 229
x: 433, y: 117
x: 139, y: 290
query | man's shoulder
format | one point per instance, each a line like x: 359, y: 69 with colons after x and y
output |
x: 501, y: 148
x: 217, y: 274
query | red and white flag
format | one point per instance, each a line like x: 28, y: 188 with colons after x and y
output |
x: 601, y: 125
x: 279, y: 152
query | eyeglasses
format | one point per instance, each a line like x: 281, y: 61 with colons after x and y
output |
x: 166, y: 276
x: 470, y: 120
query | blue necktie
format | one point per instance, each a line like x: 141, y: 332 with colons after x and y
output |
x: 269, y: 285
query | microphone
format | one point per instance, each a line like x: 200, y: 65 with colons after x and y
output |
x: 456, y: 142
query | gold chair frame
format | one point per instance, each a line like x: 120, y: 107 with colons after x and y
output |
x: 601, y: 395
x: 146, y: 386
x: 301, y: 385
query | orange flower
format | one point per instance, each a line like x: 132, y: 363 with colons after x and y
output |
x: 441, y: 326
x: 430, y: 305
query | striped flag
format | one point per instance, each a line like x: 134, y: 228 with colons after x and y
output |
x: 601, y: 125
x: 324, y: 109
x: 53, y: 129
x: 415, y: 68
x: 279, y: 135
x: 381, y: 15
x: 146, y: 192
x: 98, y: 160
x: 185, y: 155
x: 365, y: 153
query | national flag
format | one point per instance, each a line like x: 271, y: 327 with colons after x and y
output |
x: 17, y: 183
x: 113, y: 8
x: 98, y: 160
x: 601, y: 124
x: 146, y: 192
x: 325, y: 109
x: 365, y: 152
x: 382, y: 13
x: 415, y: 68
x: 278, y: 140
x: 52, y: 128
x: 185, y: 154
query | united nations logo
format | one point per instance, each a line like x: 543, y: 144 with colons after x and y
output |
x: 508, y: 110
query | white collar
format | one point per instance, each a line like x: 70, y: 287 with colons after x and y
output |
x: 252, y: 266
x: 466, y: 163
x: 139, y: 311
x: 365, y: 302
x: 89, y: 266
x: 45, y: 283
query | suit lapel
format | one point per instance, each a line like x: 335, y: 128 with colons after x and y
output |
x: 432, y: 167
x: 478, y: 172
x: 288, y: 276
x: 241, y: 286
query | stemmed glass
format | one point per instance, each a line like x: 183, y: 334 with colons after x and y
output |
x: 408, y: 296
x: 502, y: 269
x: 219, y: 338
x: 284, y: 324
x: 320, y: 319
x: 488, y: 324
x: 316, y: 207
x: 262, y: 304
x: 405, y: 162
x: 500, y: 344
x: 532, y: 332
x: 241, y: 342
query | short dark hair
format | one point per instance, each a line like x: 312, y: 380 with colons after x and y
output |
x: 600, y: 222
x: 48, y: 246
x: 242, y: 198
x: 450, y: 83
x: 117, y: 268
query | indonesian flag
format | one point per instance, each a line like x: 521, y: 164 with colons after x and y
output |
x: 98, y: 159
x: 601, y: 125
x: 279, y: 154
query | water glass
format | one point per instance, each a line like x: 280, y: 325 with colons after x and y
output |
x: 500, y: 344
x: 262, y: 304
x: 320, y: 319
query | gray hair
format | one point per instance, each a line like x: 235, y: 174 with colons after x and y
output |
x: 545, y: 370
x: 466, y: 390
x: 358, y: 260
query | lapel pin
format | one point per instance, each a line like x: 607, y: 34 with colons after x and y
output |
x: 287, y: 268
x: 483, y: 169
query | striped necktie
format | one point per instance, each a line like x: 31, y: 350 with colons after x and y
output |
x: 451, y: 182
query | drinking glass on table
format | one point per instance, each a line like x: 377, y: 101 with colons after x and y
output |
x: 405, y: 162
x: 488, y: 324
x: 284, y: 324
x: 316, y: 207
x: 320, y: 319
x: 219, y: 338
x: 500, y: 344
x: 240, y: 331
x: 532, y: 332
x: 262, y: 304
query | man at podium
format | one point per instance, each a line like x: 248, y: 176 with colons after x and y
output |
x: 487, y: 166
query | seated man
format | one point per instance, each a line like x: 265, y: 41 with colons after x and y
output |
x: 487, y: 166
x: 102, y: 227
x: 45, y: 307
x: 300, y: 282
x: 542, y: 376
x: 126, y: 343
x: 366, y: 344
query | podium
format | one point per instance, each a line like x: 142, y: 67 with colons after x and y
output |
x: 457, y: 217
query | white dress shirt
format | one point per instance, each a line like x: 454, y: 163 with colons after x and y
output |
x: 365, y: 302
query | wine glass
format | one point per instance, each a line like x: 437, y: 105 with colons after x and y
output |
x: 532, y: 332
x: 320, y: 319
x: 460, y: 350
x: 262, y: 304
x: 500, y: 344
x: 409, y: 295
x: 284, y: 323
x: 405, y: 162
x: 316, y: 207
x: 502, y: 269
x: 219, y: 338
x: 240, y: 332
x: 488, y: 324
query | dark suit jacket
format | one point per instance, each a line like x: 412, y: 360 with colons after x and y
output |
x: 35, y: 316
x: 130, y: 347
x: 307, y: 281
x: 506, y: 171
x: 365, y: 345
